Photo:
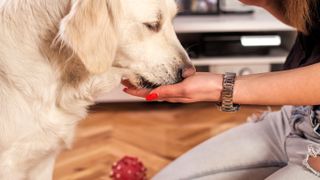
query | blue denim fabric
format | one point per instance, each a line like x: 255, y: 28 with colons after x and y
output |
x: 275, y: 147
x: 305, y: 122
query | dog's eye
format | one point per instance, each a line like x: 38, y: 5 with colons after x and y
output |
x: 154, y: 26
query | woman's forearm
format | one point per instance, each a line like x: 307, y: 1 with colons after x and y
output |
x: 294, y: 87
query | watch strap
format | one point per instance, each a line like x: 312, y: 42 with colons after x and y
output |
x: 227, y: 104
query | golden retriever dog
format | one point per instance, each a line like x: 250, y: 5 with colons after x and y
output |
x: 56, y: 56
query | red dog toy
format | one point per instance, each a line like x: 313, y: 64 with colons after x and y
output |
x: 128, y: 168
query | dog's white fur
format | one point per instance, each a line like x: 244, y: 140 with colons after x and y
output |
x: 57, y: 55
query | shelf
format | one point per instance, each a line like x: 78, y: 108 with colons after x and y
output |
x: 260, y: 20
x: 276, y: 56
x: 118, y: 96
x: 252, y: 60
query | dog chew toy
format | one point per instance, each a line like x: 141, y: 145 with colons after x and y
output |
x: 128, y: 168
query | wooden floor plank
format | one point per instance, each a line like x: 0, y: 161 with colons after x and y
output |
x: 156, y: 133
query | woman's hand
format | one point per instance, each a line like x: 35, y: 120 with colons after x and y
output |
x: 198, y: 87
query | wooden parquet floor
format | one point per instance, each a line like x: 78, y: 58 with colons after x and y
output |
x: 156, y: 133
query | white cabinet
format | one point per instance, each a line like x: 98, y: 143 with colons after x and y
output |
x: 260, y: 20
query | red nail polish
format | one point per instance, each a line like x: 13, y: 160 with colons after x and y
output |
x: 125, y: 89
x: 152, y: 97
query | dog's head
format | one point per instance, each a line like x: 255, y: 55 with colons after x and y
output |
x: 136, y: 35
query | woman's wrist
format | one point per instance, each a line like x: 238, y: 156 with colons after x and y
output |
x: 245, y: 89
x: 236, y: 90
x: 214, y: 87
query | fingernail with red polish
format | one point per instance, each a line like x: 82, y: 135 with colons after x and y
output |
x: 152, y: 97
x: 125, y: 89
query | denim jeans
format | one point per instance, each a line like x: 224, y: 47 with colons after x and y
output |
x: 274, y: 148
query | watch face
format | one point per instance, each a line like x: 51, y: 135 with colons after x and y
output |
x: 193, y: 7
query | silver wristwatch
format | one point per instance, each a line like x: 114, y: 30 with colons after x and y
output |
x: 227, y: 104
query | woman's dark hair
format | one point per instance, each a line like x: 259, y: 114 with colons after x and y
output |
x: 300, y: 13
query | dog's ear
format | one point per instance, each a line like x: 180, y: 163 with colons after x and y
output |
x: 88, y: 29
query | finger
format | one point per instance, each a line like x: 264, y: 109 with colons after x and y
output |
x: 128, y: 84
x: 137, y: 92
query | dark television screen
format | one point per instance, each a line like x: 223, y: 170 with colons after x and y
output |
x: 197, y: 7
